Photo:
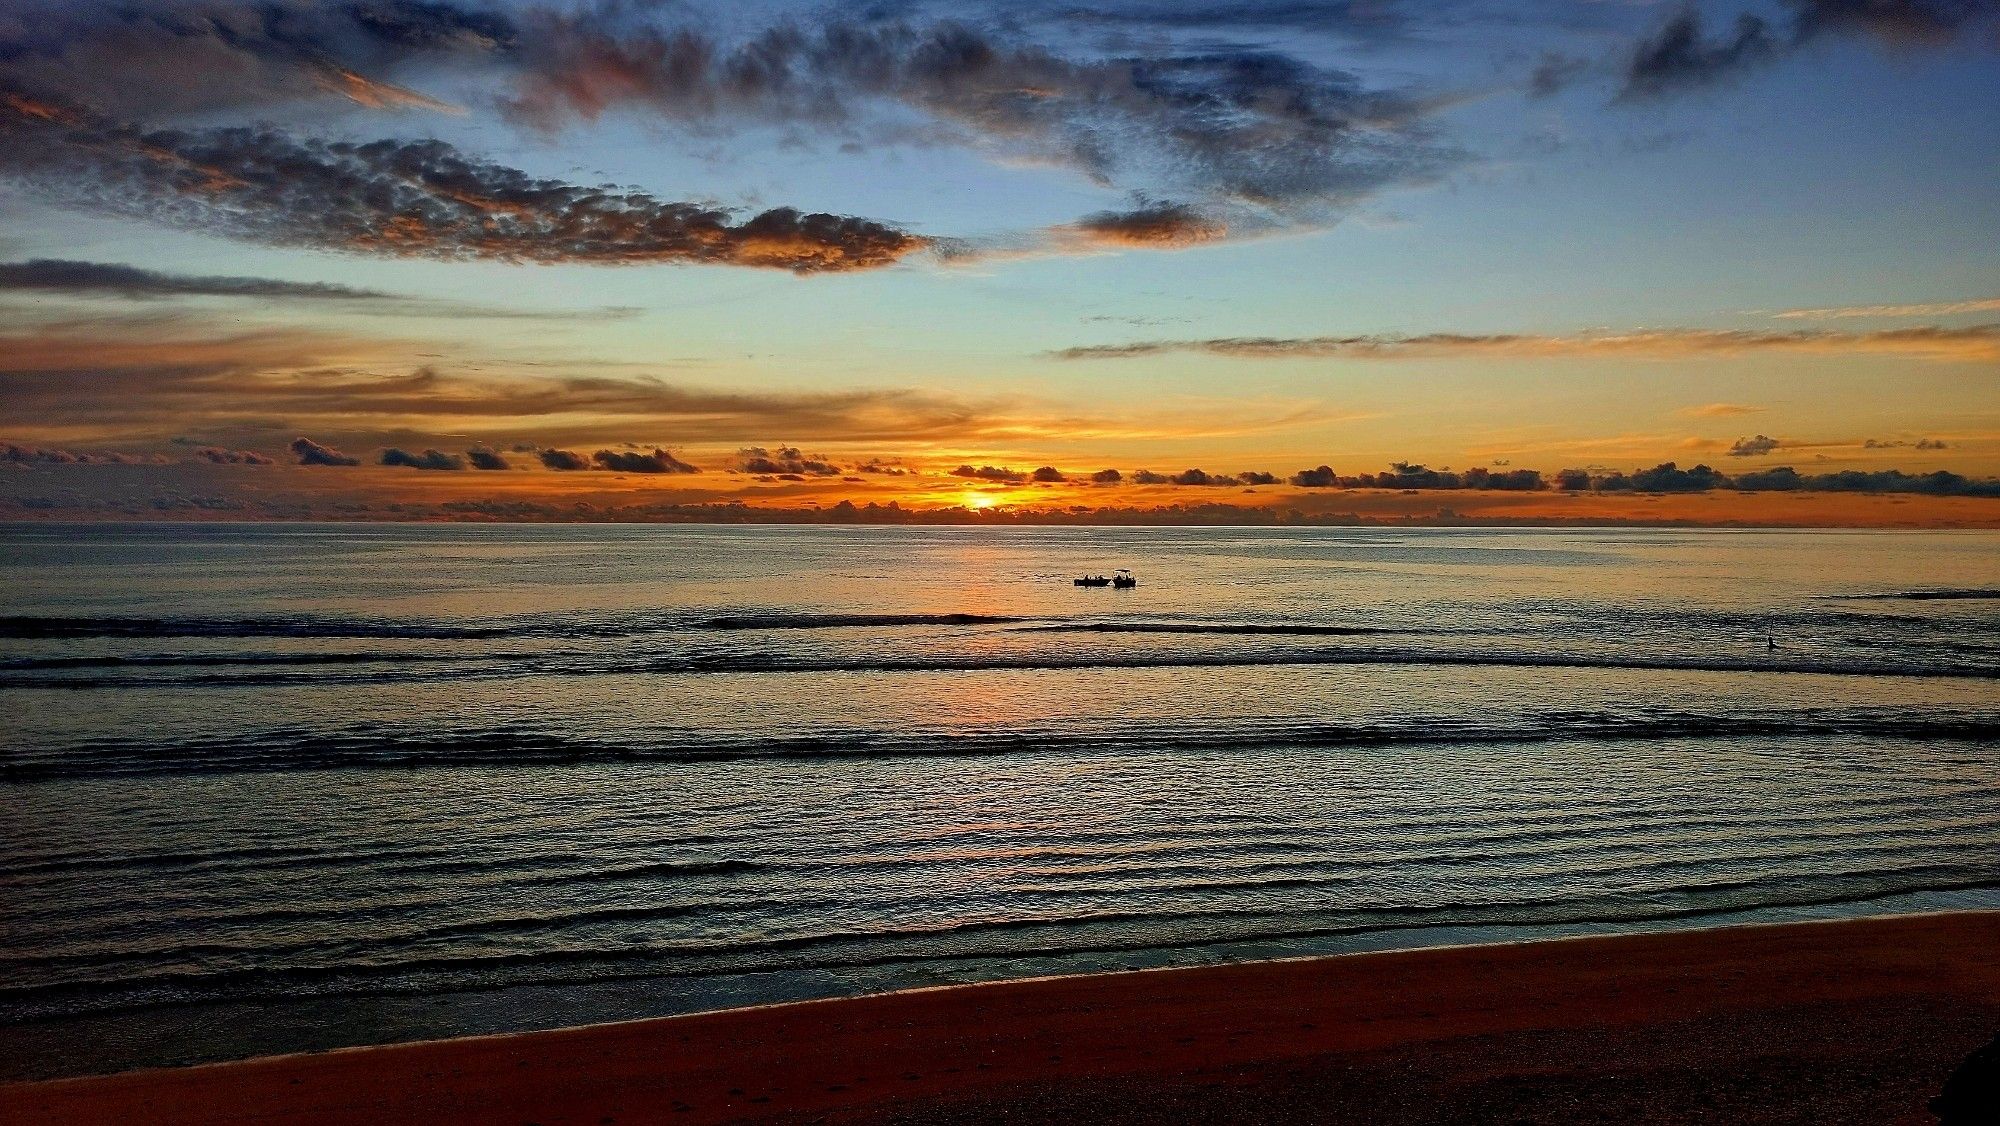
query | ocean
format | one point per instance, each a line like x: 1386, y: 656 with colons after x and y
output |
x: 286, y: 787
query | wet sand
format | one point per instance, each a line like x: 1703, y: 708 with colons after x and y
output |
x: 1853, y: 1021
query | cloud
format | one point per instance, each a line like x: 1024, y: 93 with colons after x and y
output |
x: 990, y: 473
x: 634, y: 461
x: 1681, y: 55
x: 1160, y: 225
x: 1718, y: 410
x: 58, y: 275
x: 483, y: 458
x: 1759, y: 446
x: 194, y: 56
x: 1222, y: 124
x: 1047, y: 475
x: 420, y: 199
x: 1257, y: 477
x: 312, y: 453
x: 1936, y: 309
x: 1919, y: 444
x: 1975, y: 343
x: 1553, y: 72
x: 784, y: 459
x: 562, y: 459
x: 94, y: 279
x: 429, y: 459
x: 218, y: 455
x: 1106, y: 477
x: 29, y: 455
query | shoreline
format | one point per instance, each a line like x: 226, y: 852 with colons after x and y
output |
x: 1894, y: 998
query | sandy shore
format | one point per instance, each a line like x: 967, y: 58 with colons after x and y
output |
x: 1855, y: 1021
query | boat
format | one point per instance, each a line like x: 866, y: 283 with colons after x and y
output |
x: 1122, y: 580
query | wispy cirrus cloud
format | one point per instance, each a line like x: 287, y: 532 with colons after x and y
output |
x: 1972, y: 344
x: 1930, y: 309
x: 401, y: 198
x: 132, y: 283
x: 1719, y: 410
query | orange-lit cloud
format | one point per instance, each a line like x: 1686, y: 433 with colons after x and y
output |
x: 365, y: 91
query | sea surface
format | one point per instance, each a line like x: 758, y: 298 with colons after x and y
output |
x: 284, y: 787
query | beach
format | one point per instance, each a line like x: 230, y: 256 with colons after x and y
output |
x: 1846, y: 1021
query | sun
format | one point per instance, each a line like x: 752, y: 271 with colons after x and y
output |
x: 978, y: 500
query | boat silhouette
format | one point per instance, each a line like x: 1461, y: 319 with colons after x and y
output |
x: 1123, y: 580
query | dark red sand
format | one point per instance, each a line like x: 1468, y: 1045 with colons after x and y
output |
x: 1844, y: 1022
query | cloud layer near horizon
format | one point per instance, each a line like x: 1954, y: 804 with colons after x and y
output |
x: 1971, y: 344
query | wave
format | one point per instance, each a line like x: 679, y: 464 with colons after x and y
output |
x: 67, y: 628
x: 1251, y: 629
x: 574, y: 625
x: 294, y: 749
x: 851, y: 621
x: 1012, y: 938
x: 490, y: 666
x: 1925, y: 595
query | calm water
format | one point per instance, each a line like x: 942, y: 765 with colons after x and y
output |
x: 271, y: 788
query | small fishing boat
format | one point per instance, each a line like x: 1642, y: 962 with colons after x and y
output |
x: 1122, y: 580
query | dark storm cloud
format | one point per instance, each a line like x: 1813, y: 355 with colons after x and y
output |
x: 429, y: 459
x: 484, y: 458
x: 401, y: 198
x: 634, y: 461
x: 1228, y: 124
x: 312, y: 453
x: 785, y: 459
x: 200, y: 55
x: 58, y: 275
x: 568, y: 460
x: 1683, y: 54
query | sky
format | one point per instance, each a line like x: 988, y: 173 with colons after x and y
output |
x: 304, y: 258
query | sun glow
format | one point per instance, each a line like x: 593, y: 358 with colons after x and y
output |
x: 979, y: 500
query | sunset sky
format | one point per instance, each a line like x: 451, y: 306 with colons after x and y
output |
x: 836, y: 252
